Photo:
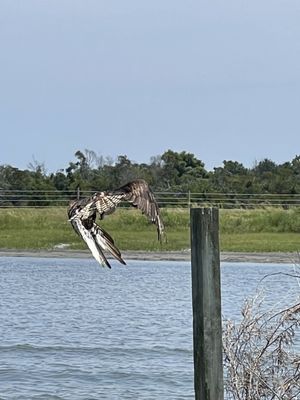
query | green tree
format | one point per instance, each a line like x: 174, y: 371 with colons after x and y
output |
x: 179, y: 168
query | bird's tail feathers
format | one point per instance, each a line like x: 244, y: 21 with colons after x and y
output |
x: 105, y: 241
x: 92, y: 244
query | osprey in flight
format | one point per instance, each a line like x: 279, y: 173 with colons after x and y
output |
x: 82, y: 215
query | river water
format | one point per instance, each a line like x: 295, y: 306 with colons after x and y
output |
x: 70, y: 329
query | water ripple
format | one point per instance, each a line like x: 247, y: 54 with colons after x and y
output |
x: 71, y: 330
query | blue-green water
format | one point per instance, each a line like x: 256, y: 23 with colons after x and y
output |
x: 72, y: 330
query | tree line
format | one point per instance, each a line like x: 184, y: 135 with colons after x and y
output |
x: 170, y: 172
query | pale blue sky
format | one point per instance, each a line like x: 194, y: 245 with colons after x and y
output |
x: 220, y: 79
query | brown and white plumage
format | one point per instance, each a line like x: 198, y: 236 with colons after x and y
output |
x: 82, y: 215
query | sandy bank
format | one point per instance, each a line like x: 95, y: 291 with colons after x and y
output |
x: 290, y: 258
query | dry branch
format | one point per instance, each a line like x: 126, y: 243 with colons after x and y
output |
x: 259, y: 353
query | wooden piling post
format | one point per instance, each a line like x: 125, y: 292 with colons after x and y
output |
x: 206, y: 295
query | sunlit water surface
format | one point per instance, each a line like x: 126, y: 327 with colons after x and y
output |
x: 72, y: 330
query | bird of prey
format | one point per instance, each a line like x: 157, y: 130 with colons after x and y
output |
x: 82, y: 215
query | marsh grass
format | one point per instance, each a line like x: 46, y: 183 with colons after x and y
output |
x: 29, y: 228
x: 240, y: 230
x: 260, y: 220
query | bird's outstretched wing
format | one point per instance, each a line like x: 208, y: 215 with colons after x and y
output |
x: 82, y: 215
x: 138, y: 194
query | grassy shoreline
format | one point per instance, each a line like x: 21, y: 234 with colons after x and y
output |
x: 260, y: 230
